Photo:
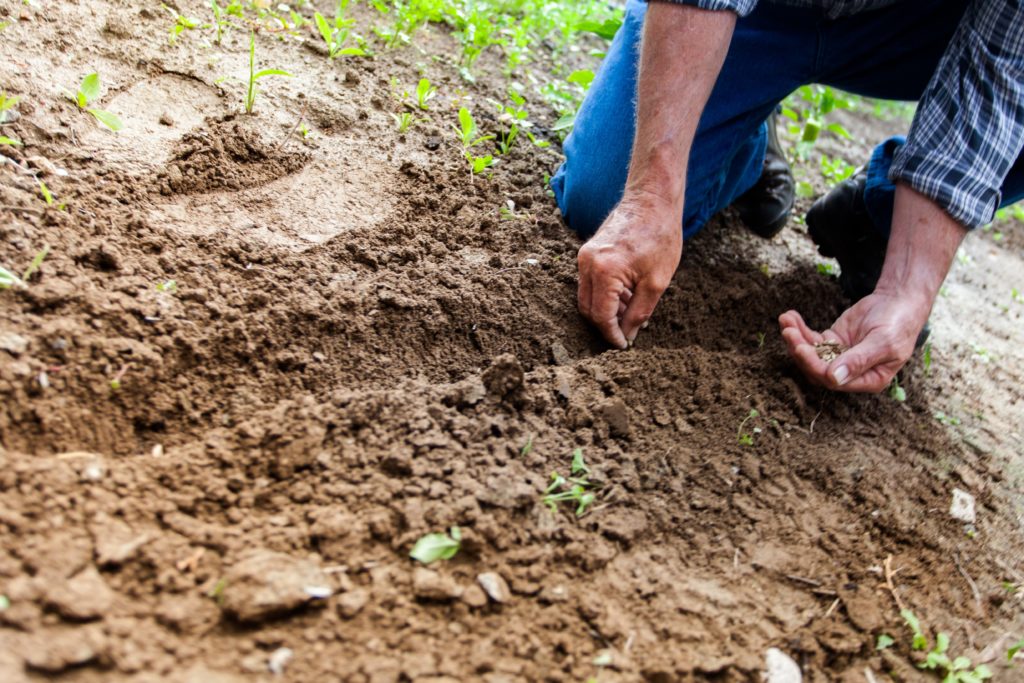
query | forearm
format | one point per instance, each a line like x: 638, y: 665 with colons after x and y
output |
x: 681, y: 56
x: 922, y: 243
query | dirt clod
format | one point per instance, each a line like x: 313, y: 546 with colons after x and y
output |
x: 495, y: 586
x: 429, y: 585
x: 264, y: 584
x: 84, y: 597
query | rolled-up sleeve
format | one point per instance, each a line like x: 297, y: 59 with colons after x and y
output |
x: 969, y: 127
x: 740, y: 7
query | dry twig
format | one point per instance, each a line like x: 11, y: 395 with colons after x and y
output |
x: 889, y: 573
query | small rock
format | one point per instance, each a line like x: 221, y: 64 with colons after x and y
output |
x: 432, y: 142
x: 166, y: 120
x: 13, y: 344
x: 559, y: 354
x: 429, y: 585
x: 84, y: 597
x: 495, y: 586
x: 279, y: 659
x: 781, y: 668
x: 351, y: 603
x: 265, y: 583
x: 962, y: 507
x: 504, y: 376
x: 54, y: 652
x: 475, y: 597
x: 554, y: 594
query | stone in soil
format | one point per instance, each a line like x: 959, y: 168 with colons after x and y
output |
x: 495, y: 586
x: 351, y: 603
x: 265, y: 584
x: 84, y: 597
x: 431, y: 586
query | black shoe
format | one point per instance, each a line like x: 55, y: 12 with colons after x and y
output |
x: 766, y: 206
x: 841, y: 227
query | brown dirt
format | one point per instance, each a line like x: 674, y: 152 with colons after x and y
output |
x: 357, y: 350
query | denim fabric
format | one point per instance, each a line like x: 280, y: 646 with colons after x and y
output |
x: 888, y: 53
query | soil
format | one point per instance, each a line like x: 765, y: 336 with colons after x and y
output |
x: 360, y: 347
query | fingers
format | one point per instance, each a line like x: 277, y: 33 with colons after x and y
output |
x: 792, y: 319
x: 585, y: 291
x: 867, y: 367
x: 640, y: 308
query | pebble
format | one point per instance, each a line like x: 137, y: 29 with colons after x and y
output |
x: 475, y: 597
x: 781, y: 667
x: 84, y: 597
x: 351, y: 603
x: 12, y: 343
x: 264, y: 584
x: 559, y: 354
x: 495, y: 586
x: 279, y: 659
x: 962, y: 506
x: 429, y: 585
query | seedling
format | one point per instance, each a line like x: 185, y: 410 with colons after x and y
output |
x: 896, y: 392
x: 335, y: 35
x: 45, y: 192
x: 575, y: 488
x: 747, y: 438
x: 254, y: 76
x: 37, y: 261
x: 183, y: 23
x: 884, y: 641
x: 826, y: 269
x: 87, y: 92
x: 219, y: 22
x: 5, y: 602
x: 434, y: 547
x: 468, y: 133
x: 170, y: 287
x: 527, y: 447
x: 1014, y: 649
x: 6, y: 104
x: 949, y: 420
x: 957, y: 670
x: 9, y: 280
x: 424, y: 93
x: 404, y: 121
x: 4, y: 140
x: 216, y: 593
x: 115, y: 383
x: 926, y: 358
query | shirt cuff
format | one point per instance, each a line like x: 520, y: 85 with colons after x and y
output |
x: 953, y: 183
x: 740, y: 7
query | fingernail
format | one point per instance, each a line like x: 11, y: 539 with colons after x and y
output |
x: 841, y: 374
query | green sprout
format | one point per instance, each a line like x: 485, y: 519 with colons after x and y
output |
x: 926, y: 358
x: 424, y: 93
x: 575, y: 488
x: 336, y: 35
x: 37, y: 261
x: 254, y: 76
x: 45, y: 192
x: 884, y: 641
x: 216, y: 593
x: 4, y: 140
x: 896, y: 392
x: 439, y: 546
x: 183, y: 23
x: 527, y: 447
x: 957, y: 670
x: 87, y: 92
x: 6, y: 104
x: 469, y: 134
x: 170, y: 286
x: 1014, y: 649
x: 5, y: 603
x: 219, y: 22
x: 747, y: 438
x: 404, y: 121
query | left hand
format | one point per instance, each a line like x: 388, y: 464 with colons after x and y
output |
x: 879, y: 333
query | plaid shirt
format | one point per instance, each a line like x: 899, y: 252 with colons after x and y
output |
x: 969, y: 127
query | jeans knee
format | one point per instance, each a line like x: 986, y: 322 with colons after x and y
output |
x: 584, y: 197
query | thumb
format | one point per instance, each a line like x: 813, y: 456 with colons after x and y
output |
x: 640, y: 308
x: 857, y: 361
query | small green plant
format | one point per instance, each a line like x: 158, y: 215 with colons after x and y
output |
x: 949, y: 420
x: 469, y: 135
x: 335, y: 35
x: 434, y: 547
x: 746, y: 438
x: 574, y: 488
x: 5, y: 603
x: 404, y: 120
x: 87, y: 92
x: 45, y: 192
x: 956, y: 670
x: 169, y: 286
x: 4, y: 140
x: 220, y: 23
x: 826, y: 269
x: 1016, y: 296
x: 6, y: 105
x: 808, y: 108
x: 896, y: 392
x: 37, y: 261
x: 1014, y: 649
x: 527, y: 447
x: 835, y: 170
x: 424, y: 93
x: 254, y: 76
x: 926, y: 358
x: 884, y: 641
x: 216, y: 592
x: 181, y: 24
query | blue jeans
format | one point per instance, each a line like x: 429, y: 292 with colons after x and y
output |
x: 889, y: 53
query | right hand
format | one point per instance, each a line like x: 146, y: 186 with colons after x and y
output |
x: 628, y: 264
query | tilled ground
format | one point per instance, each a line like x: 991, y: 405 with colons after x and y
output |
x: 360, y: 347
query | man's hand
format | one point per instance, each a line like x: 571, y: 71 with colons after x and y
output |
x: 626, y: 267
x: 879, y: 331
x: 629, y: 262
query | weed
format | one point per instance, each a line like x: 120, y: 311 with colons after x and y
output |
x: 956, y: 670
x: 1016, y: 296
x: 181, y: 24
x: 469, y: 135
x: 37, y: 261
x: 254, y: 76
x: 404, y: 121
x: 216, y: 592
x: 4, y: 140
x: 808, y: 115
x: 220, y: 23
x: 169, y: 287
x: 87, y: 92
x: 527, y: 447
x: 896, y: 392
x: 835, y: 170
x: 336, y: 35
x: 574, y: 488
x: 1014, y: 649
x: 115, y: 382
x: 826, y: 269
x: 9, y: 280
x: 760, y: 340
x: 884, y: 641
x: 433, y: 547
x: 45, y: 192
x: 948, y: 420
x: 424, y: 93
x: 6, y: 105
x: 747, y: 438
x: 926, y: 358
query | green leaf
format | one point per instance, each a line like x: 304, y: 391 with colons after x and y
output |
x: 5, y: 602
x: 352, y: 52
x: 941, y: 643
x: 582, y: 78
x: 4, y: 140
x: 564, y: 123
x: 107, y: 119
x: 606, y: 29
x: 36, y: 262
x: 45, y: 191
x: 434, y: 547
x: 578, y: 464
x: 81, y: 100
x: 90, y: 88
x: 325, y: 30
x: 884, y: 641
x: 837, y: 129
x: 527, y: 447
x: 468, y: 126
x: 9, y: 279
x: 270, y: 72
x: 1014, y: 649
x: 982, y: 672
